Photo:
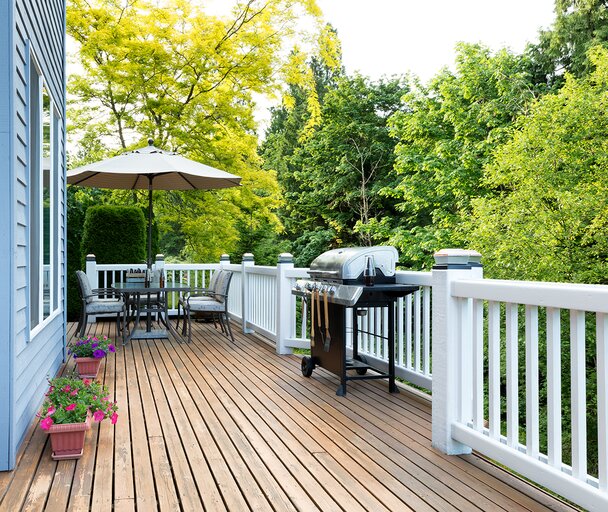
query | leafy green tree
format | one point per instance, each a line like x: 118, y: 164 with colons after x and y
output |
x: 579, y: 25
x: 169, y: 71
x: 331, y: 176
x: 447, y: 134
x: 548, y: 216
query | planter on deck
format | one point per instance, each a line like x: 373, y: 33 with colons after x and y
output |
x: 67, y: 440
x: 87, y: 366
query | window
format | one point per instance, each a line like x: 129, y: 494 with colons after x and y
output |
x: 43, y: 199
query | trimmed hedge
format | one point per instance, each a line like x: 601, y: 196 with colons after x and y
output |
x: 114, y: 234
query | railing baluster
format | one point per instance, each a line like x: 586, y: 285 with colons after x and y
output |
x: 532, y: 436
x: 400, y: 323
x: 385, y: 330
x: 417, y: 329
x: 512, y: 376
x: 602, y: 398
x: 426, y: 327
x: 408, y: 332
x: 554, y: 389
x: 466, y: 361
x: 578, y: 391
x: 478, y: 415
x: 494, y: 368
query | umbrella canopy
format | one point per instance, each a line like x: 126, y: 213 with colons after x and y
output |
x: 151, y: 168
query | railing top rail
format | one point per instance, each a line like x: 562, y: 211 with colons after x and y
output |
x: 296, y: 272
x: 119, y: 266
x: 191, y: 266
x: 261, y: 270
x: 582, y: 297
x: 413, y: 277
x: 168, y: 266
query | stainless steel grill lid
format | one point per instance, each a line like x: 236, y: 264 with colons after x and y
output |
x: 347, y: 264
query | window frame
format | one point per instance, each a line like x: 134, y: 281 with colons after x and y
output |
x: 36, y: 318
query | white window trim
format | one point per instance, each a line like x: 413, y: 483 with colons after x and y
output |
x: 54, y: 306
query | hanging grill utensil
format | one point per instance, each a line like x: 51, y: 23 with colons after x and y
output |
x: 326, y: 308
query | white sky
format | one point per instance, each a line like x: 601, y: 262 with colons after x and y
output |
x: 385, y: 37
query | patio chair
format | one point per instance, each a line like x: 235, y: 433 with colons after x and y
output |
x: 94, y: 304
x: 216, y: 304
x: 201, y: 293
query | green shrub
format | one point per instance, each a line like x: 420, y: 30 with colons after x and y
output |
x: 114, y: 234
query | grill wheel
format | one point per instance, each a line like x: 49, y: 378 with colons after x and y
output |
x: 308, y: 366
x: 363, y: 359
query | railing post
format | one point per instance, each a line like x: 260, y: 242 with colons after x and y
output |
x: 284, y: 306
x: 159, y: 264
x: 450, y: 265
x: 224, y: 260
x: 247, y: 262
x: 91, y: 272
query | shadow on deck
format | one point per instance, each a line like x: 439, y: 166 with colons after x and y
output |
x: 219, y: 426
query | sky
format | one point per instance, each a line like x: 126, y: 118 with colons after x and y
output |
x: 386, y: 37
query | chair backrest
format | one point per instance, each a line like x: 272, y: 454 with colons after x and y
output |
x: 223, y: 284
x: 214, y: 279
x: 85, y: 287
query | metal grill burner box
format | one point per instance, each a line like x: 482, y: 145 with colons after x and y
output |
x: 337, y: 289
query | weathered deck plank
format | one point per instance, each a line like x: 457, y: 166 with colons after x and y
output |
x: 216, y: 425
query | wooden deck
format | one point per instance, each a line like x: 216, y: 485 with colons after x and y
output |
x: 221, y: 426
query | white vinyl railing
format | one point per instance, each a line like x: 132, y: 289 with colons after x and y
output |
x: 535, y: 322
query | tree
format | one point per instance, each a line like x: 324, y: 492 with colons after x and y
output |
x: 579, y: 25
x: 331, y: 176
x: 548, y: 217
x: 447, y: 134
x: 168, y: 71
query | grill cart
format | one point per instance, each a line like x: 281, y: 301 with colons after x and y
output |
x: 347, y: 282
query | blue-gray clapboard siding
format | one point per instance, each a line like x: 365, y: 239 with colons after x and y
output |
x: 39, y: 25
x: 6, y: 235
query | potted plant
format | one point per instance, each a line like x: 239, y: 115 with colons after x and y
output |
x: 67, y: 411
x: 88, y: 353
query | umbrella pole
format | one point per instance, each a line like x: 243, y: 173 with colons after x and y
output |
x: 150, y: 178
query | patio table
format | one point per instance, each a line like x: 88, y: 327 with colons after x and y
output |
x: 148, y: 306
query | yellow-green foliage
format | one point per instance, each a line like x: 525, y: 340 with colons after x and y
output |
x: 170, y: 71
x: 549, y: 216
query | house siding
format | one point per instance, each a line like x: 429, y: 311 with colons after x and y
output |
x: 39, y: 26
x: 6, y: 236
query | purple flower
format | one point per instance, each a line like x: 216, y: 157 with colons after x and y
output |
x: 98, y: 354
x: 94, y: 345
x: 111, y: 348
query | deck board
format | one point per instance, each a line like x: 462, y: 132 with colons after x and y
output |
x: 215, y: 425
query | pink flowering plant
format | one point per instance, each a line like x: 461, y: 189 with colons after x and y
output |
x: 69, y: 400
x: 91, y: 346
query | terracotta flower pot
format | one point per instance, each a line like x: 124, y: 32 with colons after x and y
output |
x: 67, y: 440
x: 87, y: 367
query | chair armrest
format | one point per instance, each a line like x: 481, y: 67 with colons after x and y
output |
x: 105, y: 291
x: 198, y: 292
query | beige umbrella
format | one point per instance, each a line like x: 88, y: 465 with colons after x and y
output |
x: 151, y: 168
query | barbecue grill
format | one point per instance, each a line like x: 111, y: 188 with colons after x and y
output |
x: 347, y: 282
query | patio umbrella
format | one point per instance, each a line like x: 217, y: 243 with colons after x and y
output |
x: 151, y: 168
